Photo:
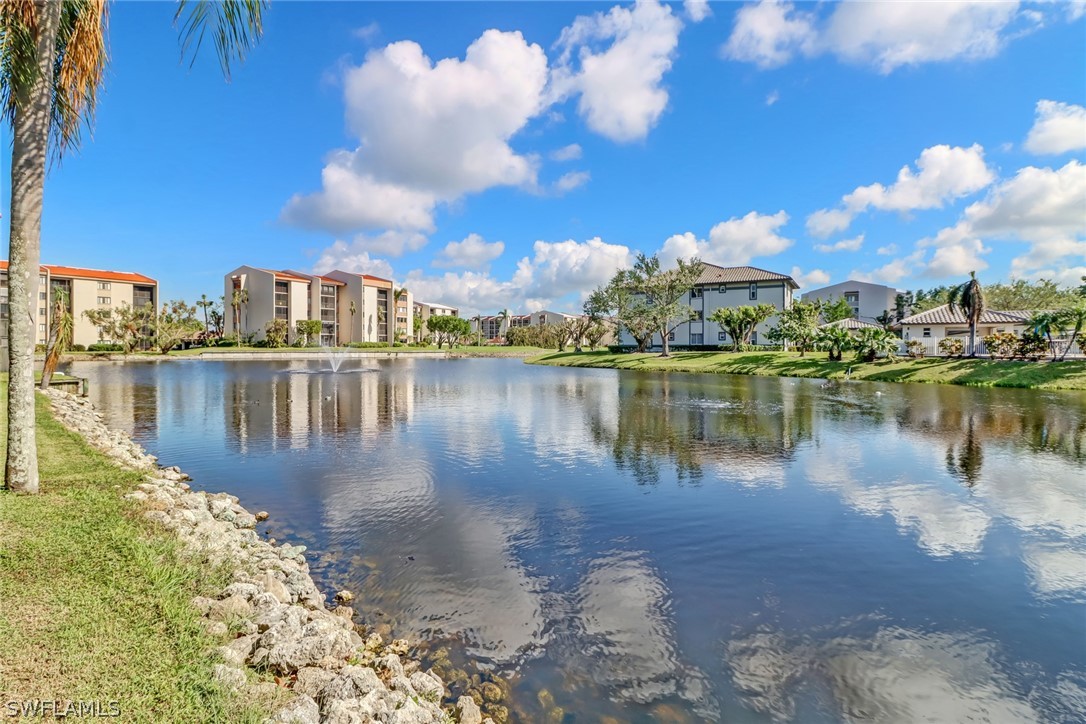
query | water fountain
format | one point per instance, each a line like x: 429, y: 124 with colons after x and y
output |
x: 335, y: 357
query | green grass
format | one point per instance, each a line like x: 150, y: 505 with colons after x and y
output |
x: 1069, y: 375
x: 95, y: 601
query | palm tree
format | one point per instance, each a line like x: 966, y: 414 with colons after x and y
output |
x: 504, y: 323
x: 61, y: 329
x: 204, y: 303
x: 239, y: 297
x: 350, y: 333
x: 52, y: 58
x: 969, y: 298
x: 872, y: 341
x: 397, y: 295
x: 835, y: 339
x: 1075, y: 319
x: 1050, y: 324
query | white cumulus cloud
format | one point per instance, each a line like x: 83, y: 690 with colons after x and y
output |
x: 732, y: 242
x: 943, y: 174
x: 571, y: 180
x: 1057, y: 128
x: 474, y: 251
x: 621, y: 86
x: 853, y: 244
x: 813, y: 278
x: 882, y: 35
x: 341, y: 255
x: 567, y: 153
x: 697, y: 10
x: 429, y: 133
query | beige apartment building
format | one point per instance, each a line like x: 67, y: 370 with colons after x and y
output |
x: 87, y: 289
x: 379, y: 316
x: 425, y: 310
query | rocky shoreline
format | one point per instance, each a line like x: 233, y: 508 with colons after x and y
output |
x: 272, y: 618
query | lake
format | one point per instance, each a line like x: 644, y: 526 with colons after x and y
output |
x: 665, y: 548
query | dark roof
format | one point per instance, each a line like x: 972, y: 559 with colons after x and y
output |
x: 713, y: 274
x: 944, y: 315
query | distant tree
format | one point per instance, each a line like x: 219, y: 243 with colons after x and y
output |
x: 447, y: 329
x: 923, y: 300
x: 595, y: 335
x: 740, y: 322
x: 175, y: 323
x: 836, y: 310
x: 886, y: 319
x: 275, y: 332
x: 353, y: 309
x: 215, y: 315
x: 798, y: 325
x: 1024, y: 294
x: 969, y: 298
x: 206, y: 304
x: 124, y: 324
x: 416, y: 326
x: 902, y: 305
x: 626, y: 309
x: 61, y: 329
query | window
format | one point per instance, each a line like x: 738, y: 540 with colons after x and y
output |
x: 723, y: 289
x: 753, y: 290
x: 722, y: 336
x: 103, y: 285
x: 42, y: 296
x: 927, y: 331
x: 697, y: 339
x: 754, y: 338
x: 671, y: 337
x: 104, y: 300
x: 852, y: 297
x: 3, y: 310
x: 41, y: 328
x: 41, y: 311
x: 695, y: 293
x: 282, y: 295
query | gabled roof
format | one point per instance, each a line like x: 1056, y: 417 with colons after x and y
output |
x: 98, y: 274
x: 944, y: 315
x: 713, y: 274
x: 288, y: 275
x: 310, y: 277
x: 850, y: 323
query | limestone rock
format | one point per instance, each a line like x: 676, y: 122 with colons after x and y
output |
x: 467, y: 711
x: 234, y: 606
x: 353, y: 682
x: 303, y: 710
x: 230, y: 677
x: 275, y: 587
x: 311, y: 680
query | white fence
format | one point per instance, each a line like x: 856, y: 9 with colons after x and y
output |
x: 931, y: 348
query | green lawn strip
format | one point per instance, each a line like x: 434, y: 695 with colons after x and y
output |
x: 96, y: 601
x: 1068, y: 375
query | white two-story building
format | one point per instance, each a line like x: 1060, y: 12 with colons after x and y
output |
x: 733, y: 286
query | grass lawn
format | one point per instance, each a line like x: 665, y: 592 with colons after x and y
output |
x: 1069, y: 375
x: 94, y: 602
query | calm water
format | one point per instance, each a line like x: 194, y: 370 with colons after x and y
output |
x: 682, y: 548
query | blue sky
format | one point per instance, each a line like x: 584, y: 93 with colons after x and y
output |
x: 516, y: 154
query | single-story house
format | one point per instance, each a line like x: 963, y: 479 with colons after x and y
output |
x: 942, y: 322
x: 851, y: 324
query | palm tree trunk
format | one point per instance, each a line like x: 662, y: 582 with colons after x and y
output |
x: 29, y: 149
x: 972, y: 338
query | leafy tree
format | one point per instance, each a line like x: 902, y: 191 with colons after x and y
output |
x: 873, y: 341
x: 61, y: 329
x: 902, y: 306
x: 739, y: 322
x: 176, y: 322
x: 307, y: 329
x: 969, y: 298
x: 52, y: 57
x: 836, y: 310
x: 124, y: 324
x: 663, y: 292
x: 834, y: 340
x: 798, y: 325
x: 922, y: 301
x: 626, y: 309
x: 595, y: 335
x: 448, y: 329
x: 1027, y: 294
x: 275, y: 332
x: 216, y: 317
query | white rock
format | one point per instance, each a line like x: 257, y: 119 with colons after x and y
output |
x: 303, y: 710
x: 229, y: 677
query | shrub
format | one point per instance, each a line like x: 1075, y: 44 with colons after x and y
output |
x: 275, y: 332
x: 398, y: 344
x: 39, y: 349
x: 105, y: 347
x: 620, y: 348
x: 79, y: 348
x: 1032, y: 346
x: 951, y: 347
x: 369, y: 345
x: 916, y: 349
x: 1001, y: 345
x: 228, y: 342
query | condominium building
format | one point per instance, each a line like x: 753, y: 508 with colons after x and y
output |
x: 425, y: 310
x: 86, y: 289
x: 868, y: 301
x: 351, y: 307
x: 718, y: 287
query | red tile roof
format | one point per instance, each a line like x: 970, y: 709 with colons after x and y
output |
x: 102, y: 274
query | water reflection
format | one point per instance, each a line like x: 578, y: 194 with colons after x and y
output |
x: 607, y: 535
x: 896, y: 674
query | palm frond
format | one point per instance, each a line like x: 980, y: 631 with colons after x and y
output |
x: 18, y: 59
x: 80, y: 65
x: 236, y: 25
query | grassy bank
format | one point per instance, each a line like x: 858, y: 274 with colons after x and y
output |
x: 1070, y: 375
x: 94, y: 602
